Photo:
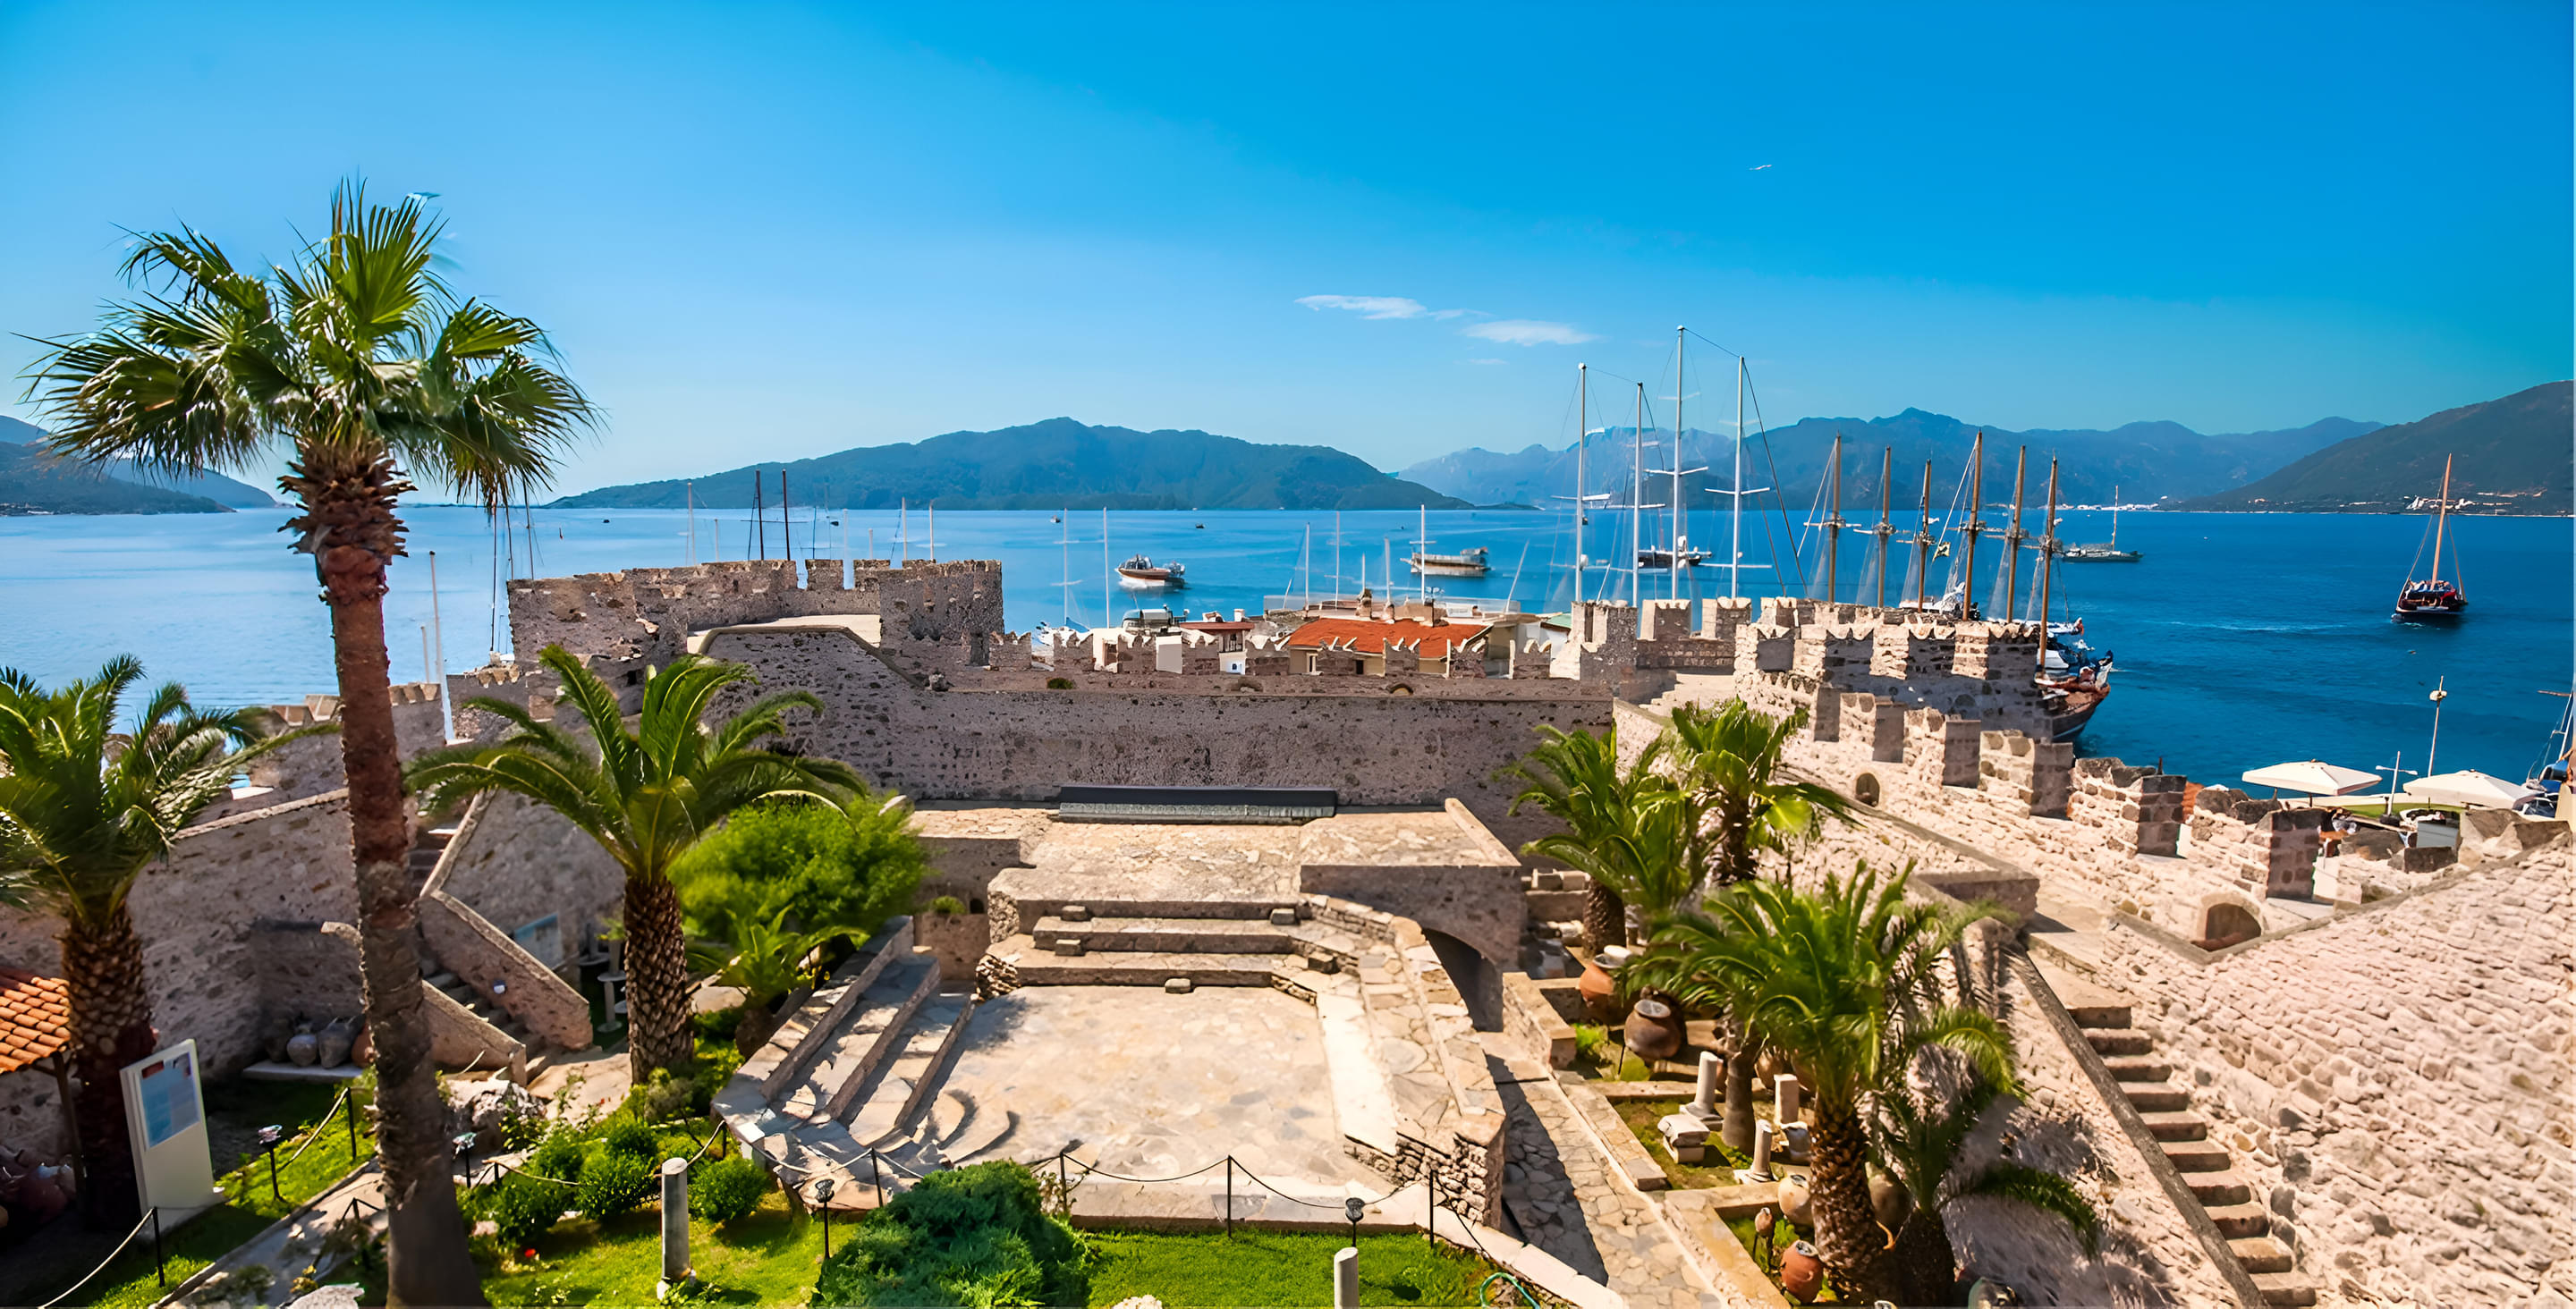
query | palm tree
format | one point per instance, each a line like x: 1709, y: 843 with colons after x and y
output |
x: 766, y: 960
x: 361, y: 364
x: 1575, y: 778
x: 646, y: 795
x: 1845, y: 981
x: 1727, y: 759
x: 82, y: 811
x: 1918, y: 1139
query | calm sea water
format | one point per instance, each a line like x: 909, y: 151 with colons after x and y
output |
x: 2242, y: 640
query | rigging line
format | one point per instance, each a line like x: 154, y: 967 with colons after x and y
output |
x: 1712, y: 344
x: 1779, y: 501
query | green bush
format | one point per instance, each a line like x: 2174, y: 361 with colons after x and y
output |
x: 949, y: 905
x: 848, y: 870
x: 969, y: 1236
x: 614, y: 1184
x: 634, y: 1138
x: 559, y: 1155
x: 664, y: 1098
x: 524, y: 1207
x: 726, y: 1189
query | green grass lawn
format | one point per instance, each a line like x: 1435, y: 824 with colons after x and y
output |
x: 248, y: 1207
x: 1717, y: 1166
x: 769, y: 1257
x: 1194, y: 1270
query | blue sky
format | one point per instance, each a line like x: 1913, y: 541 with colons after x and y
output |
x: 768, y: 232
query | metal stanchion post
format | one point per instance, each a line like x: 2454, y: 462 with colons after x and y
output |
x: 353, y: 1131
x: 1229, y: 1195
x: 160, y: 1271
x: 876, y: 1181
x: 1430, y: 1205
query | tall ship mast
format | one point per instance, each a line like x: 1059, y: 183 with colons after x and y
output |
x: 2103, y: 554
x: 2433, y: 596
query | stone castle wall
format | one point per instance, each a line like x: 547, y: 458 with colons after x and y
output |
x: 646, y: 614
x: 1022, y: 745
x: 2397, y: 1081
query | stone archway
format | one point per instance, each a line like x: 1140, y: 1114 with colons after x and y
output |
x: 2227, y: 919
x: 1865, y: 789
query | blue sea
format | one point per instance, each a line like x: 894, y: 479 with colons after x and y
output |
x: 2242, y: 639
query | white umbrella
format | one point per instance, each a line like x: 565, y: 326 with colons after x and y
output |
x: 2470, y: 788
x: 2309, y: 777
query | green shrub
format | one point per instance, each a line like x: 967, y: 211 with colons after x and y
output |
x: 1059, y: 683
x: 847, y: 870
x: 559, y: 1155
x: 949, y: 905
x: 726, y: 1189
x: 717, y: 1026
x: 973, y: 1236
x: 664, y: 1098
x: 614, y: 1184
x: 524, y: 1207
x: 632, y: 1137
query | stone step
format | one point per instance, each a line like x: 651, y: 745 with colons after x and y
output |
x: 2138, y: 1068
x: 1035, y: 907
x: 2239, y: 1221
x: 1168, y: 935
x: 2285, y: 1288
x: 2156, y: 1097
x: 905, y: 1083
x: 861, y: 1042
x: 2228, y: 1187
x: 2108, y: 1041
x: 2261, y: 1254
x: 1037, y: 967
x: 2179, y: 1125
x: 2198, y: 1156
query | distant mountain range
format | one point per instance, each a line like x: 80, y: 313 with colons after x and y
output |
x: 33, y: 481
x: 2510, y: 456
x: 1055, y: 464
x: 2145, y: 462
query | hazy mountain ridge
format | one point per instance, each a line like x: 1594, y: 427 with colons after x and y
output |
x: 1058, y: 463
x: 35, y: 481
x: 2510, y: 455
x: 2145, y: 461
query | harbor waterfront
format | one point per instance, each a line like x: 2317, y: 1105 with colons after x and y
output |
x: 2242, y: 639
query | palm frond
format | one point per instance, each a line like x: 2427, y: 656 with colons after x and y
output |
x: 2046, y: 1192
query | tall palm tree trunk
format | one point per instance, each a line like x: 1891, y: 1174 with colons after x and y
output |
x: 428, y: 1262
x: 1605, y: 917
x: 1848, y: 1238
x: 657, y: 969
x: 1925, y: 1268
x: 111, y: 1028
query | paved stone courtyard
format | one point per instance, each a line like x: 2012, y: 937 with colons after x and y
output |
x: 1147, y: 1083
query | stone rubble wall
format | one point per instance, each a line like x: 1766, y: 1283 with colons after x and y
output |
x: 645, y: 615
x: 519, y: 862
x: 2399, y: 1082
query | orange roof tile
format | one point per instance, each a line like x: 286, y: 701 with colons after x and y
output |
x: 35, y: 1017
x: 1371, y: 637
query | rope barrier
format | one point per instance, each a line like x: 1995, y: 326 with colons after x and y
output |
x: 148, y: 1216
x: 1090, y: 1171
x: 315, y: 1132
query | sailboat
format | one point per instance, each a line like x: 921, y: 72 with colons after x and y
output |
x: 2073, y: 681
x: 2432, y: 596
x: 2103, y: 554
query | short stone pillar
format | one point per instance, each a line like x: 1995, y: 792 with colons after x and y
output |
x: 1703, y: 1105
x: 1784, y: 1098
x: 1346, y: 1278
x: 675, y: 1223
x: 1685, y: 1137
x: 1761, y: 1169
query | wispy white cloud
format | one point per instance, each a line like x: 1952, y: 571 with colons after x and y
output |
x: 1528, y: 331
x: 1484, y: 361
x: 1375, y: 306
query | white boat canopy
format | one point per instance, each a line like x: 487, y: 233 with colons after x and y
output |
x: 2309, y: 777
x: 2470, y: 788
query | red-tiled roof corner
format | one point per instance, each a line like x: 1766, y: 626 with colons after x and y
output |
x: 35, y: 1017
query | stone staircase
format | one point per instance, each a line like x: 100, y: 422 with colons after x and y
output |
x: 844, y: 1088
x: 2165, y: 1105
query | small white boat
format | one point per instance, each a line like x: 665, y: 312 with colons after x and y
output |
x: 1143, y: 572
x: 1465, y: 563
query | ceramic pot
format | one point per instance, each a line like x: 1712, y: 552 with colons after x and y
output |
x: 1597, y: 987
x: 1986, y: 1293
x: 1654, y: 1028
x: 303, y: 1048
x: 362, y: 1049
x: 1797, y: 1202
x: 334, y: 1051
x: 1889, y: 1200
x: 1802, y: 1274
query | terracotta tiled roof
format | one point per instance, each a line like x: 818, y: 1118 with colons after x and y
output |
x: 1360, y: 634
x: 35, y: 1017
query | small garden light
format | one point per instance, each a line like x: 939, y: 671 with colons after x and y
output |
x: 823, y: 1201
x: 269, y: 1136
x: 1353, y: 1207
x: 464, y: 1144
